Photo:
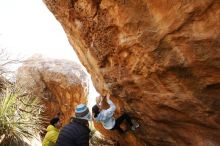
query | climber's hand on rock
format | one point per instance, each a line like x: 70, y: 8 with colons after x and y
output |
x: 108, y: 96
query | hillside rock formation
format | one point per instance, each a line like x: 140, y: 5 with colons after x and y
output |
x: 61, y: 84
x: 160, y: 59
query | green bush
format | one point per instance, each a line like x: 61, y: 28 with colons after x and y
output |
x: 20, y: 117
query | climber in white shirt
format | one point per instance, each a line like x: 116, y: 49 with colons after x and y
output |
x: 107, y: 119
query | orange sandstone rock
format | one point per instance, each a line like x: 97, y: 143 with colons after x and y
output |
x: 160, y: 59
x: 61, y: 84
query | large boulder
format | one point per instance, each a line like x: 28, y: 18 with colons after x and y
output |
x: 160, y: 59
x: 60, y: 84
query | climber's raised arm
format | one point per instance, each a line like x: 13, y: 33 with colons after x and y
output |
x: 110, y: 111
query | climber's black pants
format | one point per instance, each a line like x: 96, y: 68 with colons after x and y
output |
x: 119, y: 120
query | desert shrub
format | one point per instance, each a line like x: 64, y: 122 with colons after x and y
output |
x: 20, y: 117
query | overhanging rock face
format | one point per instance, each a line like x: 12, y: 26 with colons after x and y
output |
x: 160, y: 59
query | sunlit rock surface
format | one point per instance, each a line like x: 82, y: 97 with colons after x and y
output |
x: 160, y: 59
x: 61, y: 84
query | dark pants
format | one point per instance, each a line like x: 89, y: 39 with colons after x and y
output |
x: 119, y: 120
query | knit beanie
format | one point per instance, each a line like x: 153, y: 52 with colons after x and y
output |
x: 82, y: 112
